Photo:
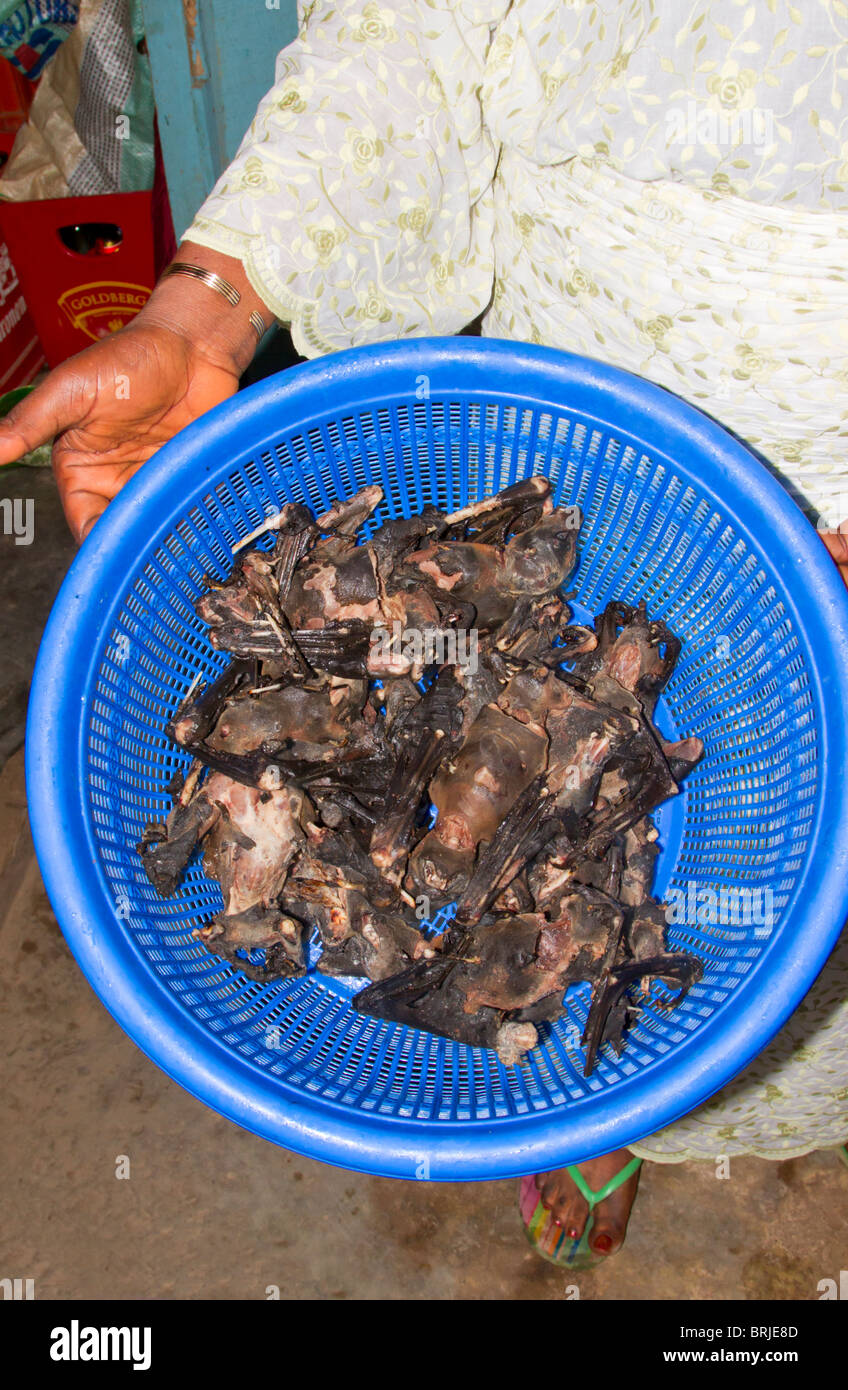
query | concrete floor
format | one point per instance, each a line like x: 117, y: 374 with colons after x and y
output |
x: 30, y: 576
x: 210, y: 1211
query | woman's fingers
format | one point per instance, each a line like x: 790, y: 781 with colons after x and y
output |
x: 87, y: 484
x: 40, y: 416
x: 108, y: 409
x: 82, y: 509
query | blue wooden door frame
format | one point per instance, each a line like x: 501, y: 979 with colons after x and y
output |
x: 212, y: 60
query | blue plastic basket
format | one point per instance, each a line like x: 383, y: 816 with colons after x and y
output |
x: 676, y: 512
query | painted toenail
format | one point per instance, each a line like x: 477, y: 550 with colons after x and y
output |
x: 573, y: 1233
x: 603, y: 1244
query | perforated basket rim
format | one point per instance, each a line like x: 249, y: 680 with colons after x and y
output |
x: 146, y: 511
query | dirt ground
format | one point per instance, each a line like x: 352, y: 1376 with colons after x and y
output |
x: 210, y: 1211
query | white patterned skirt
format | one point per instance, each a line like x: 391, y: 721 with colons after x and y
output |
x: 742, y: 309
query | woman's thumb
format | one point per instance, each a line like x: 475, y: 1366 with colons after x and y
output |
x: 36, y: 419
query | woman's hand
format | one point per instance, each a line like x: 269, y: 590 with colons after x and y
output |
x: 112, y: 406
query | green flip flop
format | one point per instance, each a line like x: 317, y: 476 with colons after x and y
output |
x: 550, y: 1240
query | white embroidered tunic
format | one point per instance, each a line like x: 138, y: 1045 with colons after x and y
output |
x: 657, y: 183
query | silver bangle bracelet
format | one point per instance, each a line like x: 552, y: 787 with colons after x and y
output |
x: 220, y: 286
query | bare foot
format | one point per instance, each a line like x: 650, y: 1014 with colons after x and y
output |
x: 562, y: 1199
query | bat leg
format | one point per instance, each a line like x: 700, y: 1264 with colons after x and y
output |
x: 290, y: 651
x: 610, y: 1012
x: 682, y: 756
x: 291, y: 547
x: 395, y: 999
x: 165, y: 858
x: 197, y: 715
x: 280, y: 937
x: 661, y: 636
x: 423, y: 997
x: 489, y: 520
x: 604, y: 1010
x: 251, y: 769
x: 278, y: 965
x: 606, y: 1020
x: 679, y: 968
x: 576, y: 642
x: 247, y: 641
x: 293, y: 517
x: 340, y: 649
x: 414, y: 770
x: 346, y: 517
x: 335, y: 802
x: 429, y: 732
x: 521, y: 834
x: 656, y: 784
x: 512, y: 634
x: 166, y: 849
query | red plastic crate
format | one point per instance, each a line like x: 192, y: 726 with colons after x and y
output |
x: 76, y: 296
x: 16, y: 95
x: 21, y: 355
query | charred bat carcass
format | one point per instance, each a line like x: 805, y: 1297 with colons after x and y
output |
x: 342, y: 786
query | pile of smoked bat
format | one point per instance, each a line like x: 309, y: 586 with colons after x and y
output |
x: 413, y: 721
